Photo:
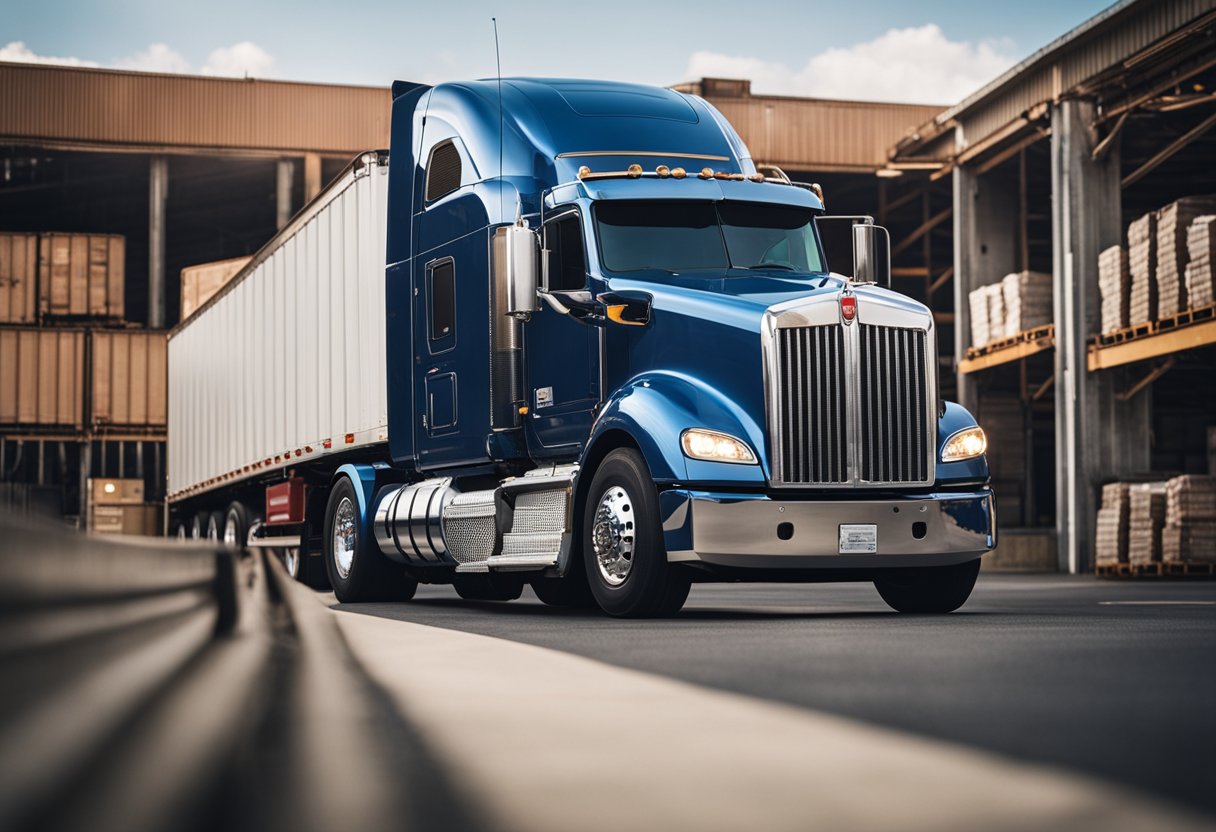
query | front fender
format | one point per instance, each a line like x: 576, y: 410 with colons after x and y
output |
x: 655, y: 408
x: 968, y: 471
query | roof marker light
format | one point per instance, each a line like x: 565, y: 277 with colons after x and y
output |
x: 757, y: 177
x: 678, y: 173
x: 706, y: 173
x: 634, y: 171
x: 663, y: 171
x: 584, y: 172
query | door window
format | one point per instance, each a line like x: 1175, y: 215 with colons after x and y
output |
x: 567, y: 262
x: 441, y: 296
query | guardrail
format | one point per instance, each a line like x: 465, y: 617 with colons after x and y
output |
x: 123, y: 666
x: 149, y: 685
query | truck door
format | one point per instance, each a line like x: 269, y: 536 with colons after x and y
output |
x: 561, y: 352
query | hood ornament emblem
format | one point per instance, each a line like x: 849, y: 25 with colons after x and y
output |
x: 848, y: 307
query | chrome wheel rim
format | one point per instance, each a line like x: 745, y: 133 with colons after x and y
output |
x: 196, y: 530
x: 344, y: 537
x: 213, y: 533
x: 291, y: 561
x: 612, y: 535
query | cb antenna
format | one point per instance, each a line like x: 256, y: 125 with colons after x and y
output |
x: 498, y: 68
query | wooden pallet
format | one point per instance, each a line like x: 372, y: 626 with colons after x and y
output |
x: 1026, y: 336
x: 1157, y: 569
x: 1184, y: 318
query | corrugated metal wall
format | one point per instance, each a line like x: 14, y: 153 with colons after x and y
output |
x: 291, y: 353
x: 818, y: 134
x: 1094, y: 52
x: 69, y: 104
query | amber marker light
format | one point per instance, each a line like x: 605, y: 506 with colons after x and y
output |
x: 663, y: 171
x: 706, y: 173
x: 634, y: 171
x: 678, y: 173
x: 350, y: 439
x: 757, y: 177
x: 584, y: 172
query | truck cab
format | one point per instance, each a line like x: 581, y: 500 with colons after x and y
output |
x: 618, y: 364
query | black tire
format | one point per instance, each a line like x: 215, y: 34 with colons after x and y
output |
x: 638, y: 582
x: 369, y: 575
x: 236, y: 526
x: 571, y: 591
x: 488, y: 587
x: 931, y: 590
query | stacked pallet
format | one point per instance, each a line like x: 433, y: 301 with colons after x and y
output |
x: 18, y: 278
x: 981, y: 325
x: 1146, y: 517
x: 1114, y: 287
x: 1190, y: 519
x: 1026, y: 301
x: 1141, y: 262
x: 996, y: 313
x: 81, y: 275
x: 1172, y: 254
x: 1113, y: 520
x: 1201, y: 247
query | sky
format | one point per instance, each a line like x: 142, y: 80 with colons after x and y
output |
x: 928, y: 51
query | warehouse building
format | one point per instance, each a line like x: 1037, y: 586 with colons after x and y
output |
x: 1053, y: 165
x: 112, y: 183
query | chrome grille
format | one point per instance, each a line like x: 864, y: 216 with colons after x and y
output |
x: 812, y: 405
x: 851, y: 405
x: 893, y: 392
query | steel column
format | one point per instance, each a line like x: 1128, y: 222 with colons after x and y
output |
x: 158, y: 191
x: 1098, y: 438
x: 285, y: 178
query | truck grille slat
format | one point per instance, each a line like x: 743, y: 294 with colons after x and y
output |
x: 814, y: 408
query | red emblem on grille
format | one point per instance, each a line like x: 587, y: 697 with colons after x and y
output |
x: 848, y: 308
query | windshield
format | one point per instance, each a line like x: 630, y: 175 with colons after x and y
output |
x: 687, y: 236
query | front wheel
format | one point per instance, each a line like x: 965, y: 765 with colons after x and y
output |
x: 930, y: 589
x: 356, y: 568
x: 623, y: 554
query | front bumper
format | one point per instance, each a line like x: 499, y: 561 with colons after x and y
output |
x: 741, y: 530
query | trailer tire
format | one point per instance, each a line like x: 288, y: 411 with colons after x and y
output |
x: 928, y: 590
x: 198, y: 527
x: 623, y: 554
x: 236, y: 526
x: 356, y: 568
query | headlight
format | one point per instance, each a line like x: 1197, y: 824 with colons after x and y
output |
x: 715, y: 447
x: 967, y: 443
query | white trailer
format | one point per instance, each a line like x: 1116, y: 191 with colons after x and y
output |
x: 287, y: 363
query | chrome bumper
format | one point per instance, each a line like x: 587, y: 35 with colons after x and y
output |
x: 742, y: 530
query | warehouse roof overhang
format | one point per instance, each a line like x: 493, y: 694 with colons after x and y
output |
x: 1127, y: 57
x: 73, y: 107
x: 815, y: 134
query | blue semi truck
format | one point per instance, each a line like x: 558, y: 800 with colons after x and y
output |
x: 612, y: 362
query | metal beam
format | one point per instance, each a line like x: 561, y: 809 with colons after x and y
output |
x: 158, y: 191
x: 1169, y: 150
x: 923, y: 229
x: 942, y: 279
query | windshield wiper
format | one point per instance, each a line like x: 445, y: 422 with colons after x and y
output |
x: 772, y: 266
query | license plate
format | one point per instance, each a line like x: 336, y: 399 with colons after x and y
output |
x: 858, y: 538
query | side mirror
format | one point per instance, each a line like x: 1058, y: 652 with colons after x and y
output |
x: 522, y: 270
x: 871, y: 254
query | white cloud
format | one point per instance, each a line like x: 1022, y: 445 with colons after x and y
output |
x: 918, y: 64
x: 18, y: 52
x: 240, y: 60
x: 156, y: 58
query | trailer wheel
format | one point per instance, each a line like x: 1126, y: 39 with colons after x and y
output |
x: 932, y: 589
x: 357, y: 570
x: 623, y: 555
x: 213, y: 522
x: 488, y: 587
x: 181, y: 534
x: 236, y: 526
x: 198, y: 527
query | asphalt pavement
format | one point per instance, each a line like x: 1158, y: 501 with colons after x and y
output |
x: 1112, y: 680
